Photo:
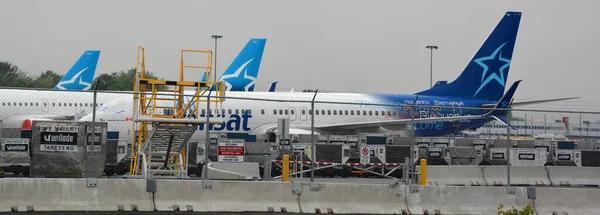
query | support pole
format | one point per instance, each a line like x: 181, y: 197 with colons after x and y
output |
x: 423, y: 177
x: 207, y: 127
x: 312, y: 138
x: 285, y: 172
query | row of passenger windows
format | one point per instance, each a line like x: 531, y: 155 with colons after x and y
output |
x: 336, y: 112
x: 229, y: 111
x: 303, y: 112
x: 46, y: 104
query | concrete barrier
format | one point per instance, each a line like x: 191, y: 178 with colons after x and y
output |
x: 353, y: 198
x: 551, y: 200
x: 225, y: 196
x: 464, y: 200
x: 32, y: 194
x: 467, y: 175
x: 49, y: 194
x: 574, y: 176
x: 519, y: 175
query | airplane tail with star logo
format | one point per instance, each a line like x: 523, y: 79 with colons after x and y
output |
x: 81, y: 74
x: 243, y: 70
x: 486, y: 74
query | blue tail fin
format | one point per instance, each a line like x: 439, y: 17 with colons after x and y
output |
x: 243, y: 71
x: 81, y: 75
x: 486, y: 74
x: 273, y: 85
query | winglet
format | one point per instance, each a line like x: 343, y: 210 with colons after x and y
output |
x: 505, y: 101
x: 500, y: 109
x: 273, y: 85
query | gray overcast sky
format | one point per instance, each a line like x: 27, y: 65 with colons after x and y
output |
x: 334, y: 45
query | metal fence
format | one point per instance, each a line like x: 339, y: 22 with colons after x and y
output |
x: 310, y: 136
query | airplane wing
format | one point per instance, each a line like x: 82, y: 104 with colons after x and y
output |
x: 16, y: 120
x: 397, y: 122
x: 522, y: 103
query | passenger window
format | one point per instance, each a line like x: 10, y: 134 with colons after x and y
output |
x: 280, y: 112
x: 262, y: 111
x: 309, y: 112
x: 335, y: 112
x: 286, y: 112
x: 45, y: 104
x: 20, y: 104
x: 317, y: 112
x: 358, y: 112
x: 86, y: 104
x: 223, y: 111
x: 376, y: 113
x: 36, y: 104
x: 352, y: 112
x: 370, y: 113
x: 203, y: 111
x: 322, y: 112
x: 249, y: 111
x: 237, y: 111
x: 9, y: 104
x: 346, y: 112
x: 229, y: 111
x: 292, y: 111
x: 304, y: 112
x: 275, y: 112
x: 328, y: 112
x: 25, y: 103
x: 364, y: 112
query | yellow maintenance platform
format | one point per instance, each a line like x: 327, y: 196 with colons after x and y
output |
x: 163, y: 129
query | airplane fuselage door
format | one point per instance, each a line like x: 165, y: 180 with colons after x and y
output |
x: 293, y: 113
x: 305, y: 116
x: 45, y: 105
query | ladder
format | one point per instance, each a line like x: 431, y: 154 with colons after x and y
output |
x: 163, y: 150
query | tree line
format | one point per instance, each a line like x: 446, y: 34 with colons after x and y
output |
x: 12, y: 76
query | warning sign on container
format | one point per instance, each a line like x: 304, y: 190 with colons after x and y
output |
x: 231, y: 150
x: 365, y: 156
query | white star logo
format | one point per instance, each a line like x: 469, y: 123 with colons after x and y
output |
x: 235, y: 77
x: 72, y: 80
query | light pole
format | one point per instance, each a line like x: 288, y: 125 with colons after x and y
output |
x: 216, y: 37
x: 431, y: 47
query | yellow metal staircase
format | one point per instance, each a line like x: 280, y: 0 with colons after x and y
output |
x: 165, y: 122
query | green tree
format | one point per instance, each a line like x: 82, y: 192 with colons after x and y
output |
x: 48, y: 79
x: 120, y: 81
x: 12, y: 76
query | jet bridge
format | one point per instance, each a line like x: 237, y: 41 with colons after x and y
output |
x: 165, y: 119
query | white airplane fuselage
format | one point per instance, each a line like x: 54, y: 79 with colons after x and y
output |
x: 256, y: 113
